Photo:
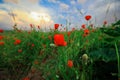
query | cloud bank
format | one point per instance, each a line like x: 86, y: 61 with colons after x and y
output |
x: 48, y: 12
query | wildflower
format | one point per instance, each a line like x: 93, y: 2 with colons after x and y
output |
x: 91, y: 25
x: 19, y: 50
x: 56, y: 26
x: 17, y: 41
x: 88, y: 17
x: 70, y: 63
x: 26, y: 78
x: 1, y: 30
x: 68, y: 34
x: 44, y: 45
x: 50, y: 37
x: 33, y: 70
x: 1, y: 37
x: 19, y: 30
x: 33, y: 45
x: 60, y: 29
x: 84, y: 35
x: 52, y: 45
x: 85, y: 58
x: 31, y: 25
x: 29, y: 32
x: 36, y: 62
x: 86, y: 31
x: 57, y: 76
x: 93, y: 30
x: 38, y: 27
x: 105, y: 22
x: 1, y: 43
x: 73, y: 29
x: 59, y: 40
x: 83, y: 26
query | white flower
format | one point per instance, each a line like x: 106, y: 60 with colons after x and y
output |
x: 52, y: 45
x: 57, y: 76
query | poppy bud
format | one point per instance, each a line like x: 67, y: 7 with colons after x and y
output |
x: 85, y: 58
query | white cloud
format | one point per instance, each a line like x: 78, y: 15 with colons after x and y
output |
x: 61, y: 16
x: 5, y: 20
x: 64, y: 6
x: 59, y: 13
x: 73, y: 2
x: 81, y: 1
x: 34, y: 1
x: 54, y: 1
x: 11, y: 1
x: 21, y: 1
x: 23, y: 17
x: 99, y: 10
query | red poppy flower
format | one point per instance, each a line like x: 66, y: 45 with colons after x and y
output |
x: 17, y: 41
x: 59, y: 40
x: 38, y: 27
x: 1, y: 37
x: 33, y: 45
x: 64, y: 28
x: 68, y: 34
x: 73, y: 29
x: 86, y: 31
x: 44, y: 45
x: 83, y: 26
x: 36, y: 62
x: 84, y: 35
x: 31, y: 25
x: 19, y: 50
x: 29, y: 32
x: 70, y: 63
x: 1, y: 30
x: 93, y: 30
x: 91, y: 25
x: 88, y: 17
x: 56, y: 26
x: 26, y: 78
x: 2, y: 43
x: 19, y: 30
x: 105, y: 22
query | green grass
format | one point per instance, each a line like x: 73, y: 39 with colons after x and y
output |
x: 52, y: 61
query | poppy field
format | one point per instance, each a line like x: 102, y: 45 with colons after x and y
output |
x: 88, y: 53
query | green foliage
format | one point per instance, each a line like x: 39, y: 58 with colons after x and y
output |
x: 37, y: 53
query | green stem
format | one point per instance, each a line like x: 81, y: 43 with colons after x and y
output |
x: 118, y: 59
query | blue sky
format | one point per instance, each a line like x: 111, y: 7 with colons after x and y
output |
x: 48, y: 12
